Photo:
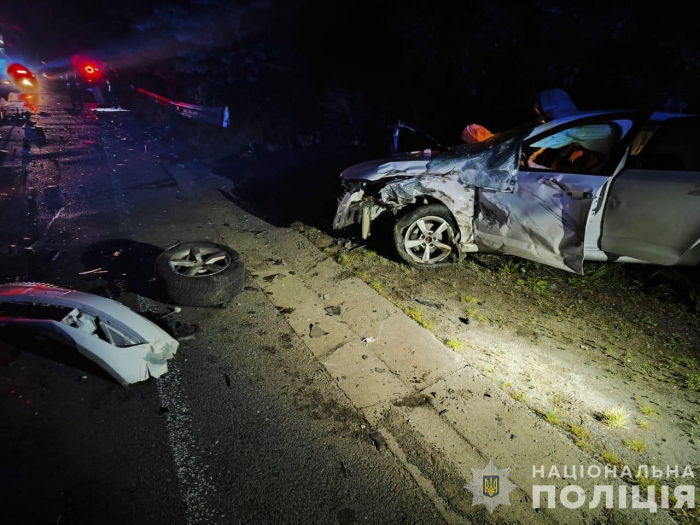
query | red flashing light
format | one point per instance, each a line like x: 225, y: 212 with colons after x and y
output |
x: 21, y: 76
x: 18, y: 70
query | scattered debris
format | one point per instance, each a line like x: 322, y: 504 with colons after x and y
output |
x: 365, y: 356
x: 433, y: 304
x: 417, y: 399
x: 92, y: 274
x: 256, y: 233
x: 442, y: 412
x: 332, y: 310
x: 179, y: 330
x: 368, y: 340
x: 173, y: 310
x: 378, y: 440
x: 270, y: 278
x: 96, y: 270
x: 37, y: 245
x: 316, y: 331
x: 109, y: 110
x: 285, y: 311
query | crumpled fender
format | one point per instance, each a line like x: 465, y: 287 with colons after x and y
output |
x: 446, y: 189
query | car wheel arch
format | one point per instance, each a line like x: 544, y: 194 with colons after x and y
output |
x: 425, y: 200
x: 431, y: 209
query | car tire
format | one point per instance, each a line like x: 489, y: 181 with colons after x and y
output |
x: 199, y: 274
x: 435, y: 218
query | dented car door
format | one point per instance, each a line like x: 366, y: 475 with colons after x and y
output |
x: 544, y: 218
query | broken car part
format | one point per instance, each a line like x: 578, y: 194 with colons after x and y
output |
x: 219, y: 116
x: 200, y: 274
x: 128, y: 346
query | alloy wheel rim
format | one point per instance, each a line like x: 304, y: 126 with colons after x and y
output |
x: 199, y: 261
x: 427, y: 239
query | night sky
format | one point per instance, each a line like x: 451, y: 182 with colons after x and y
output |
x: 432, y: 63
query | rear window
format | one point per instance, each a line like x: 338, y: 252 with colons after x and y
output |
x: 674, y: 147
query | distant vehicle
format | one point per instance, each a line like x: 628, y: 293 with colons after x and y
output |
x: 90, y: 74
x: 20, y: 77
x: 582, y: 185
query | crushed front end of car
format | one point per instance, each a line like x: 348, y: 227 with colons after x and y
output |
x: 450, y: 178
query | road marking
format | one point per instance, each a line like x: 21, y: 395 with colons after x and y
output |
x: 196, y: 484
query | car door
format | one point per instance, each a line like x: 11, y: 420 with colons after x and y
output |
x: 652, y: 207
x: 544, y: 218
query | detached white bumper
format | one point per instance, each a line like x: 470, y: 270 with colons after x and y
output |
x: 128, y: 346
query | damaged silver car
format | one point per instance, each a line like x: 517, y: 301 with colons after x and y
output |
x: 580, y: 185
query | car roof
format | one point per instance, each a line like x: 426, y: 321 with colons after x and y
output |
x: 657, y: 117
x: 661, y: 116
x: 573, y: 117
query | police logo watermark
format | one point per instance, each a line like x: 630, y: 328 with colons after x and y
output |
x: 491, y: 486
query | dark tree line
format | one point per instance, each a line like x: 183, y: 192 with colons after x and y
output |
x: 316, y: 67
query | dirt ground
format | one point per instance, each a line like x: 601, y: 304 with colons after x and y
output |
x: 611, y: 357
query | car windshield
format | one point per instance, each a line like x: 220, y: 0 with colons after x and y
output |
x: 581, y: 149
x: 598, y: 137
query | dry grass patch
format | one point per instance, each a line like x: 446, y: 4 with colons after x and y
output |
x: 611, y: 459
x: 647, y: 410
x: 455, y: 344
x: 616, y: 417
x: 635, y: 445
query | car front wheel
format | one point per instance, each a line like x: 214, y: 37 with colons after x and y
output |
x: 425, y: 236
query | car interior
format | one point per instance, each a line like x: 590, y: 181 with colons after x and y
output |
x: 583, y: 149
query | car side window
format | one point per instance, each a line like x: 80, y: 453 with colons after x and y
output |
x: 582, y: 149
x: 674, y: 147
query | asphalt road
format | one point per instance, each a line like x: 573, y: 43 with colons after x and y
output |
x: 245, y: 427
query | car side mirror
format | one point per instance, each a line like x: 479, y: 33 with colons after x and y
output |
x: 405, y: 138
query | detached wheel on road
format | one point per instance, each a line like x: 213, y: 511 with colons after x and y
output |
x: 423, y: 237
x: 200, y: 274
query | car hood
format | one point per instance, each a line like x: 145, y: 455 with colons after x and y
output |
x: 372, y: 170
x: 491, y: 164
